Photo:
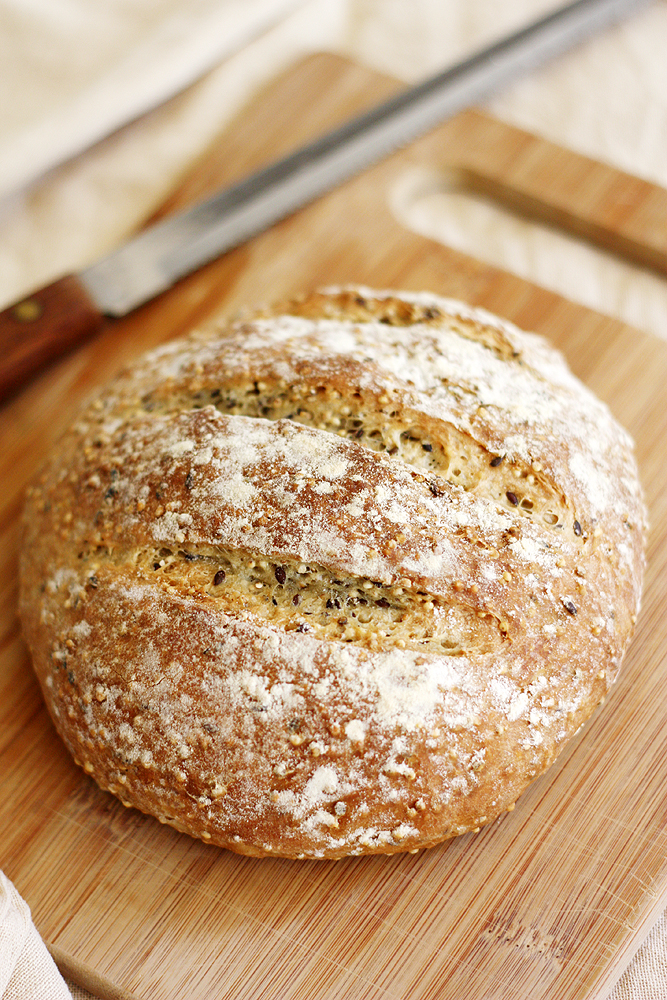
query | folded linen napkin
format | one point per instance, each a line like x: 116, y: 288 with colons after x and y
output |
x: 77, y: 70
x: 27, y: 971
x: 64, y: 211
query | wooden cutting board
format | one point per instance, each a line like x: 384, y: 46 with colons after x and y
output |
x: 550, y: 901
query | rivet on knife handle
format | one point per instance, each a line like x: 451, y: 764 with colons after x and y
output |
x: 43, y: 326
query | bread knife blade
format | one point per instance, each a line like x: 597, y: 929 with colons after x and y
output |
x: 53, y: 319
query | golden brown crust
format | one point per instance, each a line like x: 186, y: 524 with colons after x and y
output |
x: 340, y: 578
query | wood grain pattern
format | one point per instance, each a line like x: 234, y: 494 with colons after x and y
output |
x: 549, y: 902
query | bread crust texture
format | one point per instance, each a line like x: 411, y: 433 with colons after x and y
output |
x: 339, y: 577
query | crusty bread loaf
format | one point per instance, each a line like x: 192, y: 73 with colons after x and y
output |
x: 339, y: 578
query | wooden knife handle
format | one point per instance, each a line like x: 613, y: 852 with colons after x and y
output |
x: 43, y: 326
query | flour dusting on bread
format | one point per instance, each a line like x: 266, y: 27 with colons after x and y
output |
x: 340, y: 577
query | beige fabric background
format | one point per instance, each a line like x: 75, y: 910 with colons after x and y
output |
x: 103, y: 107
x: 27, y: 971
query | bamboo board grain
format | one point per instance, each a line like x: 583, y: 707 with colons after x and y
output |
x: 552, y: 900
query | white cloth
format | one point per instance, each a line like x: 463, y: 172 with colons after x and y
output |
x: 27, y: 971
x: 79, y: 70
x: 84, y: 160
x: 82, y: 207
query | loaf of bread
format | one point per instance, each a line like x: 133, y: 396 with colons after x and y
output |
x: 341, y: 577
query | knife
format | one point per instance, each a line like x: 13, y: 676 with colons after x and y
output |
x: 54, y: 318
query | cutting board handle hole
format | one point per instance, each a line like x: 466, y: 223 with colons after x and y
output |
x: 504, y: 229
